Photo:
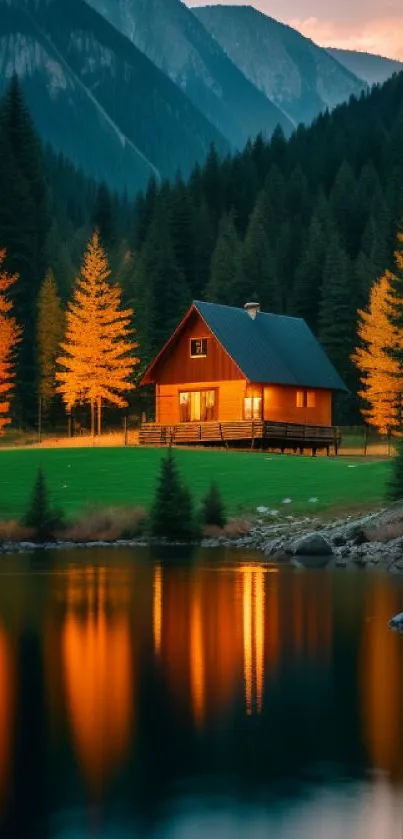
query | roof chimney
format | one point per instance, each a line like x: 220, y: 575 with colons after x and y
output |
x: 252, y: 309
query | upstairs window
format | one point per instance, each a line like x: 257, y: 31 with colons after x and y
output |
x: 198, y: 347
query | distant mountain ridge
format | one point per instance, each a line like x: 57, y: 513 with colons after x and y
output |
x: 97, y: 98
x: 296, y: 74
x: 373, y: 69
x: 177, y: 42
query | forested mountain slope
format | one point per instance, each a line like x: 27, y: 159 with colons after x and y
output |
x: 373, y: 69
x: 175, y: 40
x: 96, y: 98
x: 299, y: 76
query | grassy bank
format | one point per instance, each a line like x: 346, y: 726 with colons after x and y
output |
x: 117, y: 476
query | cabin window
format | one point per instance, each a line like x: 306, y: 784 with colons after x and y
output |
x: 253, y: 403
x: 198, y: 347
x: 305, y: 399
x: 197, y: 405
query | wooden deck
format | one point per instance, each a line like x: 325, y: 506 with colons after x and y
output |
x: 259, y: 433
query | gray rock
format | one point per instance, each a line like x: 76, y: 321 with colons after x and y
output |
x: 313, y: 544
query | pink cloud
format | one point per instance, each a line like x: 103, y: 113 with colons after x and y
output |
x: 382, y: 36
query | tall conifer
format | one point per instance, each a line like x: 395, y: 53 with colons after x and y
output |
x: 97, y: 355
x: 381, y: 378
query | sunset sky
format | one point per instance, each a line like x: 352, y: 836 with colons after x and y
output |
x: 367, y: 25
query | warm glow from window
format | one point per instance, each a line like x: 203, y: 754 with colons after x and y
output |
x: 253, y: 403
x: 311, y: 399
x: 300, y: 399
x: 197, y: 405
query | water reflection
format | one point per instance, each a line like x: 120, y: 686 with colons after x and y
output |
x: 98, y: 673
x: 159, y: 691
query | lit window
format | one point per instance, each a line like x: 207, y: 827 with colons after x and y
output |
x: 197, y: 406
x: 253, y: 403
x: 198, y: 347
x: 311, y: 399
x: 300, y: 399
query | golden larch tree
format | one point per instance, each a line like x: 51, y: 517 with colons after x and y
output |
x: 381, y: 375
x: 50, y: 332
x: 10, y: 335
x: 97, y: 355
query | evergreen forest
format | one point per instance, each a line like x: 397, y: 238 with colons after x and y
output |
x: 304, y: 225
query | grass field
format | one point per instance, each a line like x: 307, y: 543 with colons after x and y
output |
x: 119, y: 476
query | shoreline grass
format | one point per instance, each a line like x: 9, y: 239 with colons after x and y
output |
x: 114, y: 477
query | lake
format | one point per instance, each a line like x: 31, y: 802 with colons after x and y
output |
x: 207, y: 696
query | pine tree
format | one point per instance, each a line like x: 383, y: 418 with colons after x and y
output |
x: 160, y: 294
x: 258, y: 270
x: 97, y: 353
x: 226, y: 281
x: 172, y: 514
x: 24, y: 233
x: 104, y: 219
x: 213, y: 509
x: 308, y: 280
x: 41, y: 516
x: 381, y: 378
x: 337, y: 311
x: 396, y: 296
x: 10, y: 335
x: 50, y: 330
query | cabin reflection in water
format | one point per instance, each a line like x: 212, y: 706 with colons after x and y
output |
x: 221, y: 635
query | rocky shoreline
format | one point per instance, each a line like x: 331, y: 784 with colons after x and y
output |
x: 370, y: 540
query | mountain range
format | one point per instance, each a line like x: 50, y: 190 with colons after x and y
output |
x: 296, y: 74
x: 127, y: 89
x: 373, y: 69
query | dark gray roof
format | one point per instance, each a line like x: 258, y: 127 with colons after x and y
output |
x: 271, y: 348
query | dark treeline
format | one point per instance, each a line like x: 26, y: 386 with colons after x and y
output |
x: 304, y: 225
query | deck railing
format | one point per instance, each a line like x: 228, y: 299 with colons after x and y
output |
x: 281, y: 435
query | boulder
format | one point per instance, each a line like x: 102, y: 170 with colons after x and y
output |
x: 313, y: 544
x: 396, y: 623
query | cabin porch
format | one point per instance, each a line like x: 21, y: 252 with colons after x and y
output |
x: 256, y: 433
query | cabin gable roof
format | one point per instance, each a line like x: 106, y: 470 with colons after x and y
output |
x: 268, y: 348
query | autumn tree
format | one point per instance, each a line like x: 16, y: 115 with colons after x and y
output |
x: 97, y: 358
x: 10, y: 335
x: 380, y: 377
x: 50, y: 329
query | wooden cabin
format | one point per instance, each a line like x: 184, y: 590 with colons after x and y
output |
x: 231, y: 374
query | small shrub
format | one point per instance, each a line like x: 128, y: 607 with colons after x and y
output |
x: 213, y: 509
x: 172, y: 513
x: 394, y: 490
x: 43, y: 519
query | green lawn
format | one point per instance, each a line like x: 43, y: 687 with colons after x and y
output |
x: 119, y: 476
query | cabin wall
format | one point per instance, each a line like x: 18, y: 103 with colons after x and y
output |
x: 280, y: 405
x: 230, y: 396
x: 177, y: 365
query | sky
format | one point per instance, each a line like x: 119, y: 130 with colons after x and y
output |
x: 367, y: 25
